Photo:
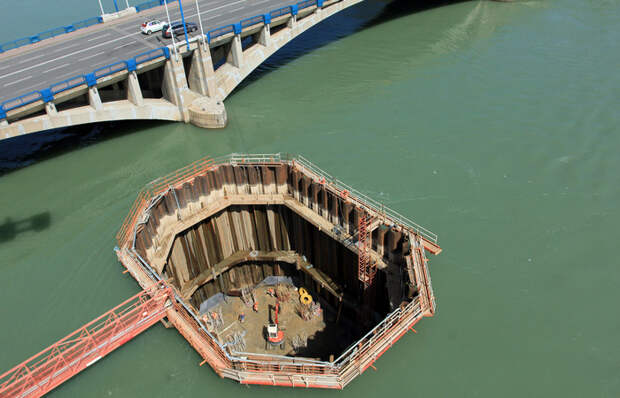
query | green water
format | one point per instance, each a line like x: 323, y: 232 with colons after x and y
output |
x: 495, y: 125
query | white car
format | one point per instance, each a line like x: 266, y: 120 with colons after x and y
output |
x: 149, y: 27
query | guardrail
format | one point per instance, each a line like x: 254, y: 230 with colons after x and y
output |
x: 90, y: 79
x: 148, y: 4
x: 50, y: 33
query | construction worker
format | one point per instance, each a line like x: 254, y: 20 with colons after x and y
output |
x: 242, y: 317
x: 255, y: 306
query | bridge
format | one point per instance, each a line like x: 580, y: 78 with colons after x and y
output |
x: 104, y: 69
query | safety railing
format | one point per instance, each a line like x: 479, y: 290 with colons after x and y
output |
x: 224, y: 30
x: 148, y: 4
x: 67, y: 84
x: 87, y: 22
x: 252, y: 21
x: 52, y: 33
x: 151, y: 55
x: 22, y: 100
x: 361, y: 347
x: 110, y: 69
x: 280, y: 11
x: 366, y: 201
x: 141, y: 58
x: 305, y: 4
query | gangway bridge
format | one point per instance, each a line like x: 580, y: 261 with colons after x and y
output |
x: 104, y: 69
x: 51, y: 367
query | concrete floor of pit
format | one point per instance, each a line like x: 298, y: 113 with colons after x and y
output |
x: 324, y: 336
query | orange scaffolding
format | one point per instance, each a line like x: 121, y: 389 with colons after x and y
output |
x: 82, y: 348
x: 366, y: 267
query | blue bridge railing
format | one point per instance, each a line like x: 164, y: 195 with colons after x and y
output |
x: 47, y: 94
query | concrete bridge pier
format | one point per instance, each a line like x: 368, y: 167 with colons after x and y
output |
x: 94, y: 99
x: 134, y: 93
x: 235, y: 55
x: 194, y: 104
x: 264, y: 36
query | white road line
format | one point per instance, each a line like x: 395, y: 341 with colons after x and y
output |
x: 25, y: 89
x: 107, y: 61
x: 99, y: 37
x: 66, y: 47
x: 30, y: 59
x: 7, y: 66
x: 91, y: 56
x: 125, y: 45
x: 57, y: 67
x: 17, y: 81
x: 236, y: 9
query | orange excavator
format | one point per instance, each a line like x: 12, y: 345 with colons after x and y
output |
x: 275, y: 337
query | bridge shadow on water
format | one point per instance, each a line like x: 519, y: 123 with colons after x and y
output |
x: 10, y: 229
x: 23, y: 151
x: 362, y: 16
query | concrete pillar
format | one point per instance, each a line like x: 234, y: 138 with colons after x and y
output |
x: 175, y: 85
x: 264, y: 36
x: 201, y: 74
x: 292, y: 22
x: 50, y: 109
x: 235, y: 56
x: 134, y: 92
x: 94, y: 99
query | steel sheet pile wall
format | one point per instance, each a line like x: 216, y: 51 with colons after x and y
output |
x: 271, y: 203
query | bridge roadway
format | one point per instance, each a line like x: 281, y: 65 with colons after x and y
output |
x: 36, y: 67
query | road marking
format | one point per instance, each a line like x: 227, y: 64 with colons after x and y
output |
x: 236, y: 9
x: 91, y: 56
x: 125, y: 45
x: 58, y: 67
x: 30, y: 59
x: 99, y: 37
x: 66, y: 47
x: 17, y: 81
x: 25, y: 89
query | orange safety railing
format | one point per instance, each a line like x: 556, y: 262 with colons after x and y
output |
x: 158, y: 186
x: 56, y: 364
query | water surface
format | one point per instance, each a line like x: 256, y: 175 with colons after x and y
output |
x: 495, y: 125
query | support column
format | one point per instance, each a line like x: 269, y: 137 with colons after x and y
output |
x: 175, y: 84
x: 134, y: 92
x: 94, y: 99
x: 235, y: 56
x: 201, y: 75
x: 50, y: 109
x: 292, y: 22
x: 264, y: 36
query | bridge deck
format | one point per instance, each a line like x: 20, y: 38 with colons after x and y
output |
x: 36, y: 67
